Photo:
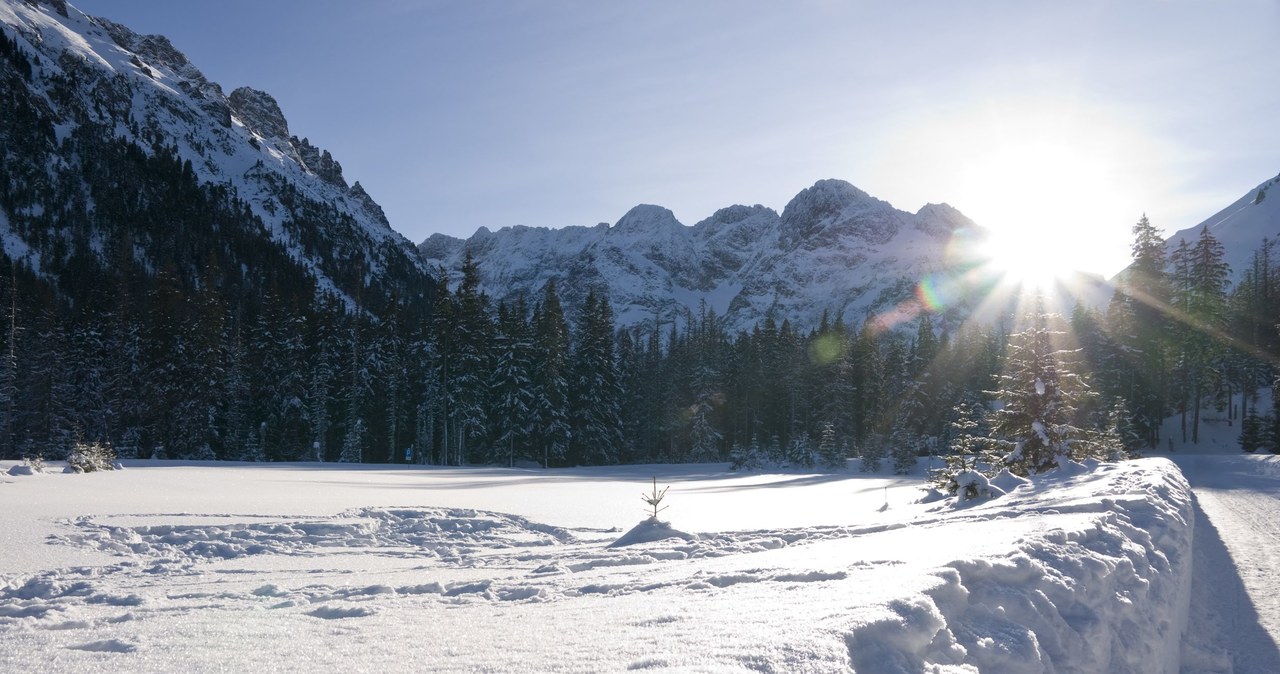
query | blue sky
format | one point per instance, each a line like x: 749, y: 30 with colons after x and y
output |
x: 1029, y: 116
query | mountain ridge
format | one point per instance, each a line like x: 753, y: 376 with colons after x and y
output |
x: 833, y: 249
x: 141, y: 89
x: 1240, y: 226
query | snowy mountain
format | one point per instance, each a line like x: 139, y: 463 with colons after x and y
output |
x: 1240, y: 227
x: 833, y: 249
x: 85, y: 83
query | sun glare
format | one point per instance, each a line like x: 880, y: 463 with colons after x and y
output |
x: 1036, y: 197
x: 1058, y: 182
x: 1028, y: 258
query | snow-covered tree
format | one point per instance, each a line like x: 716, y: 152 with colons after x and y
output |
x: 594, y: 397
x: 1039, y: 391
x: 472, y: 363
x: 829, y: 451
x: 904, y: 447
x: 550, y: 377
x: 870, y: 454
x: 512, y: 385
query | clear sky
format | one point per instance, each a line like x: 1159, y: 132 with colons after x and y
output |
x: 1030, y: 117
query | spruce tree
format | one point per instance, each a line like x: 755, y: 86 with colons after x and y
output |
x: 512, y: 385
x: 594, y: 396
x: 1040, y: 392
x: 829, y: 452
x: 550, y: 367
x: 1138, y: 320
x: 9, y: 371
x: 471, y: 365
x: 870, y: 453
x: 1251, y: 432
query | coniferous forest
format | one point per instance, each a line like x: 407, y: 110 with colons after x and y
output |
x: 217, y: 365
x: 160, y: 319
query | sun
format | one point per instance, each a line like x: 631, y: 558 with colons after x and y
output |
x: 1038, y: 198
x: 1057, y: 181
x: 1029, y: 259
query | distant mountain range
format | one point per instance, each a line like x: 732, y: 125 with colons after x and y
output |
x: 834, y: 249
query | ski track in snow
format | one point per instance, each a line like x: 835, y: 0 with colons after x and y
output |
x: 1235, y: 620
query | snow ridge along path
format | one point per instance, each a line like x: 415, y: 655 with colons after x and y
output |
x: 157, y: 568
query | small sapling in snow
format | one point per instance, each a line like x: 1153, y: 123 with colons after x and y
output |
x: 655, y: 498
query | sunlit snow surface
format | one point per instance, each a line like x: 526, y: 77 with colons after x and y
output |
x: 181, y: 567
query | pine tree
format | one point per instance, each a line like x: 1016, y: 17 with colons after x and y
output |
x: 594, y: 399
x: 1251, y: 432
x: 970, y: 448
x: 870, y: 453
x: 829, y: 452
x: 357, y: 391
x: 1138, y: 319
x: 324, y: 370
x: 9, y: 372
x: 353, y: 445
x: 800, y: 452
x: 904, y: 443
x: 1120, y: 425
x: 393, y: 376
x: 512, y: 384
x: 551, y: 355
x: 705, y: 385
x: 1040, y: 391
x: 1201, y: 293
x: 471, y: 362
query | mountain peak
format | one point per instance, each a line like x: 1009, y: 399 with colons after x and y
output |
x: 941, y: 220
x: 156, y: 50
x: 646, y: 219
x: 260, y: 113
x: 837, y: 206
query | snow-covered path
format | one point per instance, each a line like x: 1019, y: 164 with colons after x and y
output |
x: 1235, y: 589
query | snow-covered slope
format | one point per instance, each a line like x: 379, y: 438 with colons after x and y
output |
x: 91, y: 72
x: 1240, y: 227
x: 834, y: 248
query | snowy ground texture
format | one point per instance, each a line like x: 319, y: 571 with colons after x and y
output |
x: 165, y: 567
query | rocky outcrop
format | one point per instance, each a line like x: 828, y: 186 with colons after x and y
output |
x: 259, y: 113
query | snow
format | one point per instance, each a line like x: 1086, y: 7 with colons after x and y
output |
x: 311, y: 566
x: 1234, y: 624
x: 1235, y: 588
x: 650, y: 531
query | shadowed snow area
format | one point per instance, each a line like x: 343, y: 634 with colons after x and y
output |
x: 1235, y: 596
x: 168, y: 567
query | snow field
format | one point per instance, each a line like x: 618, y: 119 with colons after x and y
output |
x: 158, y: 568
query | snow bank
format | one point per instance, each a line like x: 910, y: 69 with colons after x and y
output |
x: 1107, y: 590
x: 649, y: 531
